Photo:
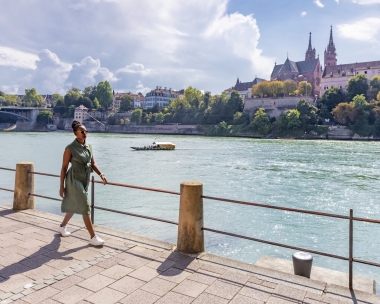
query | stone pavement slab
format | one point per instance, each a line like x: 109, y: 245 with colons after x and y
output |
x: 38, y: 266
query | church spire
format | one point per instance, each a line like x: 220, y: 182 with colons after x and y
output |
x: 310, y: 53
x: 331, y: 41
x: 330, y: 52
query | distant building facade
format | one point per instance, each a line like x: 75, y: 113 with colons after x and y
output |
x: 80, y: 113
x: 244, y: 88
x: 309, y: 70
x: 338, y: 74
x: 137, y: 99
x: 160, y: 96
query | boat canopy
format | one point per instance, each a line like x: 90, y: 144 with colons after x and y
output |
x: 162, y: 143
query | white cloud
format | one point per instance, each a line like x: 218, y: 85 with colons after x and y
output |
x: 135, y: 68
x: 337, y: 1
x: 140, y: 88
x: 318, y: 3
x: 303, y: 14
x: 18, y: 59
x: 366, y: 1
x: 363, y: 30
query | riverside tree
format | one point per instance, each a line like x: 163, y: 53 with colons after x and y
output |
x: 45, y: 116
x: 104, y: 94
x: 261, y: 122
x: 345, y: 113
x: 357, y: 85
x: 126, y: 103
x: 136, y: 116
x: 289, y: 120
x: 304, y: 88
x: 308, y: 113
x: 32, y: 98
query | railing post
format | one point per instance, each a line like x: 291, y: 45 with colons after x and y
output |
x: 351, y: 244
x: 24, y: 184
x: 190, y: 223
x: 92, y: 200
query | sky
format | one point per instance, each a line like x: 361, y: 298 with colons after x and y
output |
x: 54, y: 45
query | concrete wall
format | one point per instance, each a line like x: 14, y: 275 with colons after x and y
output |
x: 274, y: 106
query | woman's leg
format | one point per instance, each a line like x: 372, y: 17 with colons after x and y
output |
x: 66, y: 219
x: 88, y: 223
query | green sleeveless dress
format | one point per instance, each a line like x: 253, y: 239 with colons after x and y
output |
x: 78, y: 179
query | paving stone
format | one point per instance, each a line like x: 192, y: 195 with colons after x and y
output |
x: 144, y: 273
x: 223, y: 289
x: 257, y: 292
x: 212, y: 268
x: 240, y: 299
x: 127, y: 285
x: 190, y: 288
x: 175, y: 275
x: 39, y: 286
x: 192, y: 266
x: 18, y: 290
x: 49, y: 282
x: 233, y: 277
x: 175, y: 298
x: 7, y: 301
x: 72, y: 295
x: 255, y: 280
x: 60, y: 277
x: 67, y: 282
x: 116, y: 272
x: 289, y: 293
x: 48, y: 277
x: 158, y: 286
x: 145, y: 252
x: 140, y: 297
x: 89, y: 272
x: 204, y: 276
x: 174, y: 256
x: 96, y: 282
x: 40, y: 281
x: 28, y: 291
x: 12, y: 269
x: 36, y: 261
x: 19, y: 301
x: 132, y: 261
x: 39, y: 272
x: 207, y: 298
x: 275, y: 300
x: 109, y: 262
x: 161, y: 265
x: 41, y: 295
x: 6, y: 295
x: 105, y: 296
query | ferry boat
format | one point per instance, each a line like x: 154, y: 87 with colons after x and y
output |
x: 157, y: 146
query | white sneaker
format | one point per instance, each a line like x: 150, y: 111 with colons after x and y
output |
x: 96, y: 241
x: 63, y: 231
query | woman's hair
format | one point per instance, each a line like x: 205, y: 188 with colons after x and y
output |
x: 76, y: 125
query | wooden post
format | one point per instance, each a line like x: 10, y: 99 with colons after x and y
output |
x: 190, y: 223
x: 24, y: 184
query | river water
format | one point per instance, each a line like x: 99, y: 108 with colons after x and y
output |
x: 327, y: 176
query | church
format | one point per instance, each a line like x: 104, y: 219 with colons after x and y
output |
x: 309, y: 70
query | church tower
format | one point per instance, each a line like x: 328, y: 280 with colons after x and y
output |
x: 310, y: 53
x: 330, y: 52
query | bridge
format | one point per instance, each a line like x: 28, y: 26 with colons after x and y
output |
x: 23, y: 113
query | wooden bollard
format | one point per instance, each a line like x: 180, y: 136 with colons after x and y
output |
x: 24, y: 184
x: 190, y: 234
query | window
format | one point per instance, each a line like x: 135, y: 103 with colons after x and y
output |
x: 365, y: 72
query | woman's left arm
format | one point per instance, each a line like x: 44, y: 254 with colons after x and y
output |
x: 96, y: 169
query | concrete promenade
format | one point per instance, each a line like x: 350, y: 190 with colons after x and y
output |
x: 37, y: 265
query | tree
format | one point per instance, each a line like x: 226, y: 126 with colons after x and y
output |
x: 234, y: 104
x: 193, y: 97
x: 331, y: 98
x: 357, y: 85
x: 71, y: 110
x: 126, y: 103
x: 345, y: 113
x: 104, y: 94
x: 155, y: 108
x: 160, y: 118
x: 72, y: 97
x: 290, y: 86
x: 96, y: 103
x: 240, y: 119
x: 2, y: 94
x: 304, y: 88
x: 9, y: 100
x: 90, y: 92
x: 276, y: 88
x: 111, y: 119
x: 87, y: 102
x: 32, y: 98
x: 57, y: 100
x: 261, y: 122
x: 289, y: 120
x: 44, y: 116
x: 261, y: 89
x: 308, y: 113
x: 360, y: 102
x: 136, y: 116
x: 374, y: 86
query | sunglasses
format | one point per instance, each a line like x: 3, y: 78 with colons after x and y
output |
x: 83, y: 132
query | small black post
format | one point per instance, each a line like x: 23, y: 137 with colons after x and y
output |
x: 92, y: 200
x: 351, y: 241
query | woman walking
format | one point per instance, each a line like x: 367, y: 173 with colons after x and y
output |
x: 75, y: 181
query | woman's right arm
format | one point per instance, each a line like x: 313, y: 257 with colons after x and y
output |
x: 65, y: 165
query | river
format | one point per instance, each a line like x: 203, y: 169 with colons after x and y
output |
x: 327, y: 176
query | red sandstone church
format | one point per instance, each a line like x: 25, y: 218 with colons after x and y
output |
x: 310, y: 70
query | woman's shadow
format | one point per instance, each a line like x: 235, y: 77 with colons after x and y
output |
x: 44, y: 255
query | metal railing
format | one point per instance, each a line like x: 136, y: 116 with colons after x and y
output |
x: 349, y: 217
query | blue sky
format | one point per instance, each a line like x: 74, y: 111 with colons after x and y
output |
x: 53, y: 45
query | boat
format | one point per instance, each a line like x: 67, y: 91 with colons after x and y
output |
x: 157, y: 146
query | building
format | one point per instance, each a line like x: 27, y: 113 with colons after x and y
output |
x: 160, y: 96
x: 80, y: 113
x: 309, y: 70
x: 338, y: 74
x: 244, y: 88
x: 137, y: 99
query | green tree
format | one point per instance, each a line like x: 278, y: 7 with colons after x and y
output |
x: 9, y: 100
x: 96, y: 103
x: 126, y: 103
x: 70, y: 112
x: 136, y: 116
x: 290, y: 86
x: 155, y: 108
x: 90, y: 92
x: 45, y: 116
x: 304, y: 88
x: 357, y: 85
x: 104, y: 94
x: 345, y: 113
x: 160, y: 118
x: 193, y: 97
x: 234, y: 104
x: 111, y: 119
x: 57, y: 100
x: 374, y: 87
x: 360, y: 102
x: 72, y: 96
x: 32, y: 98
x: 261, y: 122
x: 308, y: 113
x: 87, y: 102
x: 289, y: 120
x: 2, y: 94
x: 331, y: 98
